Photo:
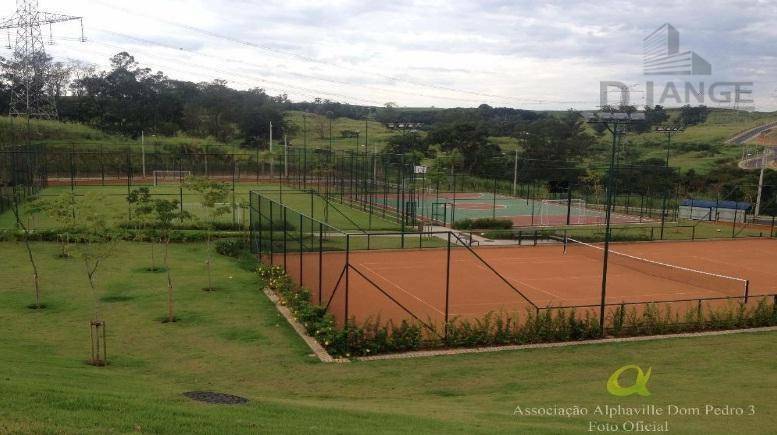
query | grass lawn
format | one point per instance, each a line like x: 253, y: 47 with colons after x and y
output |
x: 318, y: 132
x: 233, y: 341
x: 332, y: 212
x: 683, y: 230
x: 115, y: 197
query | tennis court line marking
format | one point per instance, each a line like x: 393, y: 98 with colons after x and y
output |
x: 400, y: 288
x: 521, y: 283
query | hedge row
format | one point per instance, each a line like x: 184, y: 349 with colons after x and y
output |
x: 543, y: 326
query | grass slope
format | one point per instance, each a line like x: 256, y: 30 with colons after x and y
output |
x: 376, y: 133
x: 234, y: 341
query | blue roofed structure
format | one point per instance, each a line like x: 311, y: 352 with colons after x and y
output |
x: 724, y: 205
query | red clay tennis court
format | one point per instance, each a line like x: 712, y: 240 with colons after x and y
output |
x: 406, y: 284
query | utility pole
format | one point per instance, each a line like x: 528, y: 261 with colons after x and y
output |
x: 285, y: 157
x: 669, y: 132
x: 524, y: 135
x: 764, y: 165
x: 617, y: 124
x: 330, y: 134
x: 31, y: 94
x: 143, y: 152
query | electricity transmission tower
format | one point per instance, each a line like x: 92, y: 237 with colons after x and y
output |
x: 32, y: 94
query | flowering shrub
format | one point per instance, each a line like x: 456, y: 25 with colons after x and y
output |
x: 374, y: 336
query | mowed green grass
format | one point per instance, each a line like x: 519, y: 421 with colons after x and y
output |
x: 234, y: 341
x: 64, y: 136
x: 115, y: 200
x: 317, y: 127
x: 329, y: 211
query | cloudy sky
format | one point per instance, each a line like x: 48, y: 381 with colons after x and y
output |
x: 523, y: 54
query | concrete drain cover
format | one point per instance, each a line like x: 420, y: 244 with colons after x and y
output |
x: 218, y: 398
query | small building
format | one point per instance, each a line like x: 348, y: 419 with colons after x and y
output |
x: 706, y: 210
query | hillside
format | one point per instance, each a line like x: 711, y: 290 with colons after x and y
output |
x: 701, y: 147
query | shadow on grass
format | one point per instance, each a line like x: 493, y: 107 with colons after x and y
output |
x: 116, y: 298
x: 158, y: 269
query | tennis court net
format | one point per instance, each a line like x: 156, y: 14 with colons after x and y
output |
x: 728, y: 285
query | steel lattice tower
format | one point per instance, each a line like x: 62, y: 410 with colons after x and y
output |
x: 32, y: 95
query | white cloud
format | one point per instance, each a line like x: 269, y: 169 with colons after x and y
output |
x: 440, y: 53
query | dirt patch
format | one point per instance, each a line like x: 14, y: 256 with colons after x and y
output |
x: 216, y: 398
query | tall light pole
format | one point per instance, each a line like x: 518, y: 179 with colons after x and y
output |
x: 669, y: 132
x: 764, y: 165
x: 524, y: 136
x: 617, y: 124
x: 143, y: 152
x: 272, y: 158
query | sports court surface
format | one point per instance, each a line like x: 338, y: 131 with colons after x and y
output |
x: 545, y: 275
x: 449, y: 207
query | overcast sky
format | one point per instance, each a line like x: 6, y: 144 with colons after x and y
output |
x: 523, y: 54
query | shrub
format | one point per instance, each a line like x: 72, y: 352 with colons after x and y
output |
x: 536, y: 326
x: 483, y: 224
x: 231, y: 247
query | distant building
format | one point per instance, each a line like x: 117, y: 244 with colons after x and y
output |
x: 662, y: 55
x: 706, y: 210
x: 404, y: 125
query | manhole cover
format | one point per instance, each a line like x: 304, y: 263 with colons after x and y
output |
x: 211, y: 397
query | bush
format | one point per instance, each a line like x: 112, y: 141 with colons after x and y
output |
x: 494, y: 329
x: 483, y: 224
x: 146, y: 235
x: 231, y: 247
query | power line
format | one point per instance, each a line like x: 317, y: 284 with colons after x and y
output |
x: 32, y: 94
x: 306, y: 76
x: 334, y: 65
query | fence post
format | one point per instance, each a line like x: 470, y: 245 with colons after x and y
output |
x: 259, y: 207
x: 494, y: 205
x: 102, y: 166
x: 72, y: 169
x: 747, y: 290
x: 285, y: 234
x: 447, y: 286
x: 347, y: 283
x: 180, y: 198
x: 272, y: 242
x: 301, y: 241
x: 320, y: 261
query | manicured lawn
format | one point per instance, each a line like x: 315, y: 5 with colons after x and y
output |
x: 331, y: 212
x: 233, y: 341
x: 115, y: 199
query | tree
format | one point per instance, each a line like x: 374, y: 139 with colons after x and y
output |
x: 690, y: 115
x: 16, y: 210
x: 62, y: 209
x: 213, y: 196
x: 554, y: 149
x: 142, y: 209
x: 164, y: 213
x: 97, y: 245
